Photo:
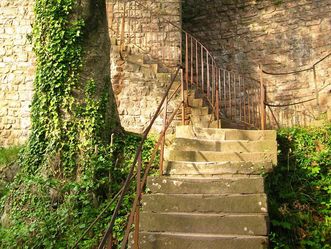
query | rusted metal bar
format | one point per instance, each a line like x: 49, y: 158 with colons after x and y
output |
x: 235, y: 96
x: 213, y: 88
x: 274, y: 117
x: 202, y: 70
x: 137, y: 211
x: 224, y: 90
x: 196, y: 63
x: 217, y: 109
x: 192, y: 81
x: 165, y: 110
x: 244, y: 100
x: 230, y: 95
x: 219, y: 93
x: 249, y: 105
x: 186, y: 60
x: 144, y: 180
x: 208, y: 75
x: 109, y: 231
x: 262, y: 101
x: 240, y: 99
x: 183, y: 96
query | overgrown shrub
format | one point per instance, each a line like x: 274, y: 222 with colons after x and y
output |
x: 299, y: 189
x: 50, y: 212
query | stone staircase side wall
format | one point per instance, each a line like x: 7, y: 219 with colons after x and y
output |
x: 137, y: 91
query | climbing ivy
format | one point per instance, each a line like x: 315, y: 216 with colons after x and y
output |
x: 69, y: 171
x: 57, y: 40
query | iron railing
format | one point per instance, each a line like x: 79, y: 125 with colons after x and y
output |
x: 230, y: 95
x: 294, y: 112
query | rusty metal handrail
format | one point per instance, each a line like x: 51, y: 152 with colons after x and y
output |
x: 108, y: 233
x: 230, y: 95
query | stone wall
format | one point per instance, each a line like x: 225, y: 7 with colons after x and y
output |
x: 151, y: 52
x: 282, y: 36
x: 16, y: 70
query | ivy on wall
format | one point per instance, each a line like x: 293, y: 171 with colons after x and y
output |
x: 67, y: 171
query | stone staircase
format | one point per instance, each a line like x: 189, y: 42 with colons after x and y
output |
x: 139, y: 83
x: 212, y: 193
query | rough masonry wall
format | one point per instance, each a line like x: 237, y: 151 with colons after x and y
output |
x: 140, y: 75
x: 283, y: 36
x: 16, y: 70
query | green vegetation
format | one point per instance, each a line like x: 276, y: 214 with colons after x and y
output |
x: 9, y: 155
x: 69, y: 172
x: 300, y: 189
x: 52, y: 212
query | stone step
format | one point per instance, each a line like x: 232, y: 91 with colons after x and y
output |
x: 240, y: 224
x: 215, y: 156
x: 199, y: 117
x: 188, y: 131
x: 153, y: 240
x: 204, y: 185
x: 207, y: 168
x: 196, y: 111
x: 205, y: 123
x: 203, y: 203
x: 195, y: 102
x: 185, y: 144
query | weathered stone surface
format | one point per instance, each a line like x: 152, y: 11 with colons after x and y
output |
x: 190, y: 132
x: 185, y: 144
x: 206, y: 185
x: 214, y: 156
x: 211, y: 168
x: 138, y: 80
x: 16, y: 70
x: 204, y: 203
x: 283, y: 37
x: 149, y: 240
x: 245, y: 224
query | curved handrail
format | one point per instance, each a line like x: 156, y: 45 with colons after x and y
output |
x: 228, y: 93
x: 239, y: 102
x: 300, y: 70
x: 136, y: 158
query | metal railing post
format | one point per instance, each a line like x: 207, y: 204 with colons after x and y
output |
x: 137, y: 213
x: 165, y: 109
x: 183, y: 96
x: 262, y: 101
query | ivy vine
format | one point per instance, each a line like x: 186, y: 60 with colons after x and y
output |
x: 67, y: 171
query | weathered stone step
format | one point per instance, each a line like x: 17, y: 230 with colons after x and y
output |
x: 201, y: 118
x: 185, y: 144
x: 215, y: 156
x: 207, y: 168
x: 195, y: 102
x: 206, y: 185
x: 188, y: 131
x: 244, y: 224
x: 196, y: 111
x: 202, y: 203
x: 150, y: 240
x: 205, y: 123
